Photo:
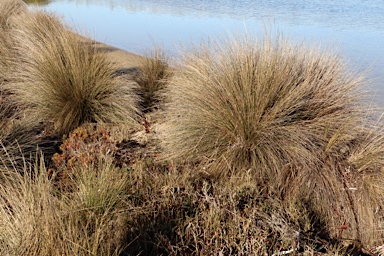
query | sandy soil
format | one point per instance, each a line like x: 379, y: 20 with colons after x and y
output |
x: 124, y: 59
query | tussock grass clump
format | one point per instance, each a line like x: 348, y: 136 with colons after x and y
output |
x: 290, y: 115
x: 36, y: 220
x: 20, y: 137
x: 7, y: 108
x: 98, y: 223
x: 293, y: 159
x: 16, y: 139
x: 152, y: 78
x: 9, y: 8
x: 65, y: 80
x: 369, y: 154
x: 259, y: 105
x: 27, y: 211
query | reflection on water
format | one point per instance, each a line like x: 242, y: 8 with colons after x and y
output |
x: 344, y: 14
x: 355, y: 26
x: 38, y: 2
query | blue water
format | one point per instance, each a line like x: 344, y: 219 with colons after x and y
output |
x: 355, y: 27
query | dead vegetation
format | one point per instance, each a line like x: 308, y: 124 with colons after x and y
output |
x: 246, y: 147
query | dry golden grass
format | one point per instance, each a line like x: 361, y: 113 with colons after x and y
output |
x: 16, y: 139
x: 8, y: 109
x: 8, y: 10
x: 152, y: 78
x: 369, y: 153
x: 176, y: 212
x: 288, y: 114
x: 63, y: 79
x: 25, y: 203
x: 148, y: 209
x: 20, y: 138
x: 267, y: 150
x: 257, y: 105
x: 36, y: 220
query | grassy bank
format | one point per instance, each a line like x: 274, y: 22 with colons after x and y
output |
x: 242, y: 147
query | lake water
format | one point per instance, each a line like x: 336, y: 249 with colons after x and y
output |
x: 356, y: 27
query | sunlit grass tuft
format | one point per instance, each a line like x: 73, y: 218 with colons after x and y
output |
x: 65, y: 80
x: 9, y: 8
x: 261, y: 105
x: 153, y: 76
x: 289, y: 114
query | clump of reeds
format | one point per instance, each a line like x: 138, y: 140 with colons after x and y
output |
x: 153, y: 75
x: 63, y: 79
x: 289, y: 114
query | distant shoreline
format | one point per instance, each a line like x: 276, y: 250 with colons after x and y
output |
x: 124, y: 59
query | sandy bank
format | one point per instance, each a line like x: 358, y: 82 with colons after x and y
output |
x: 124, y: 60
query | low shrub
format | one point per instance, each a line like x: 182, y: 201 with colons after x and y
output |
x: 176, y: 212
x: 87, y: 145
x: 83, y: 146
